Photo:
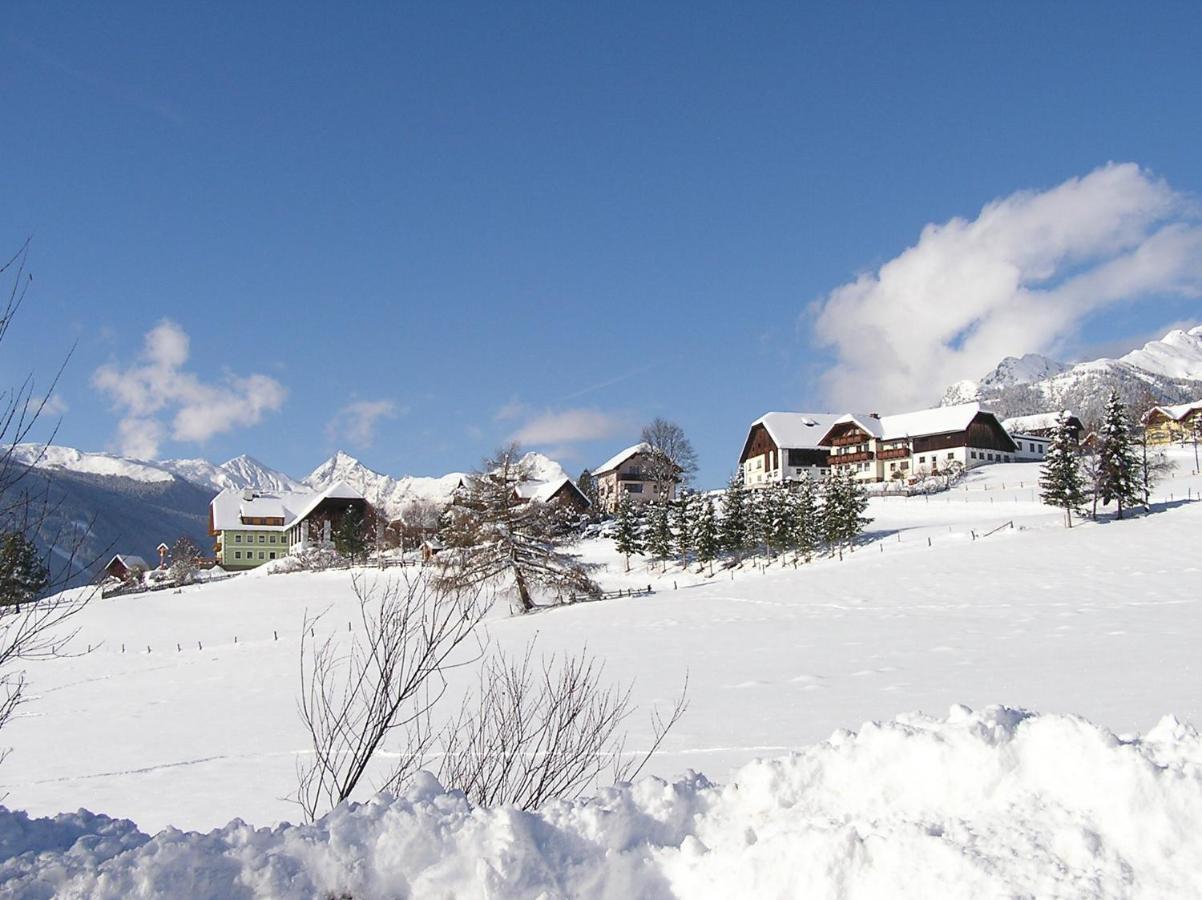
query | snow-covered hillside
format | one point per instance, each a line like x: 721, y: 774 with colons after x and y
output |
x: 1170, y: 369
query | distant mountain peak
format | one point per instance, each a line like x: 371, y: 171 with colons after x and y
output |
x: 1169, y: 370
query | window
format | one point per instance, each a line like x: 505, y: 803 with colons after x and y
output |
x: 271, y: 554
x: 262, y: 539
x: 634, y: 489
x: 260, y: 554
x: 237, y: 554
x: 237, y: 539
x: 922, y: 459
x: 951, y: 456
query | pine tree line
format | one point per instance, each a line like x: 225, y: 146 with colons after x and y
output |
x: 794, y: 520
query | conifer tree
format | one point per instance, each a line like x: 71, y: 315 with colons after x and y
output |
x: 807, y: 524
x: 628, y: 539
x: 844, y: 502
x: 778, y: 518
x: 684, y: 527
x: 706, y: 534
x: 23, y: 575
x: 757, y: 520
x: 588, y: 486
x: 1060, y: 481
x: 659, y: 534
x: 1118, y: 482
x: 733, y: 529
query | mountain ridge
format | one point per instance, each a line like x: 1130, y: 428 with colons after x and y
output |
x: 1168, y: 370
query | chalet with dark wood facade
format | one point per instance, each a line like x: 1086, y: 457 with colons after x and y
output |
x: 1173, y: 424
x: 785, y: 446
x: 562, y: 491
x: 881, y: 448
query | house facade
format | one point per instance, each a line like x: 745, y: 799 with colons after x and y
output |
x: 125, y: 565
x: 785, y: 446
x: 626, y: 474
x: 1033, y: 434
x: 898, y: 447
x: 251, y: 528
x: 1173, y: 424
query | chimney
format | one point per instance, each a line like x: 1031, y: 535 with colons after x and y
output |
x: 248, y: 494
x: 874, y: 415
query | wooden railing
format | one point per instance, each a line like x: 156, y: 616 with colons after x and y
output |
x: 842, y: 459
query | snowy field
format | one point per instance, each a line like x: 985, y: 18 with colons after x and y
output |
x: 1100, y: 621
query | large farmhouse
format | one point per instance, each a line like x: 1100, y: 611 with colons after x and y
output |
x: 254, y: 527
x: 785, y: 446
x: 879, y: 448
x: 626, y: 474
x: 1173, y: 424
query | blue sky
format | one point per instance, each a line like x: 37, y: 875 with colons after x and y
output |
x: 467, y: 222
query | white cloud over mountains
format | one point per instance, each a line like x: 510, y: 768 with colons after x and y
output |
x: 356, y: 422
x: 158, y: 399
x: 569, y: 426
x: 1019, y: 278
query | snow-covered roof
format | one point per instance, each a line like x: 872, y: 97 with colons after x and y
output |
x: 939, y: 420
x: 796, y: 430
x: 544, y: 490
x: 129, y: 560
x: 1179, y: 411
x: 1036, y: 422
x: 229, y: 506
x: 616, y: 460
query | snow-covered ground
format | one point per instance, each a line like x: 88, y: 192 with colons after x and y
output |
x: 1099, y: 621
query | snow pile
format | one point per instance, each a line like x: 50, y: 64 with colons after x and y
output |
x: 993, y: 803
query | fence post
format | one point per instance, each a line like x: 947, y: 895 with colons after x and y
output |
x: 928, y: 541
x: 276, y: 633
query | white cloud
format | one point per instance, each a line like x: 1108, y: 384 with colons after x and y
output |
x: 50, y: 407
x: 156, y: 388
x: 1020, y: 278
x: 356, y: 422
x: 569, y: 426
x: 514, y: 409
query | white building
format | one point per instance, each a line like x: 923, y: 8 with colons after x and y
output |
x: 785, y: 446
x: 926, y: 442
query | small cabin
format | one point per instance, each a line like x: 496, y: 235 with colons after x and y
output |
x: 125, y: 565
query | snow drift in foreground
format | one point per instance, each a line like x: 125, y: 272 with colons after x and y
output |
x: 995, y: 803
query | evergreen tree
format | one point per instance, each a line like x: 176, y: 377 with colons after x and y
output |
x: 628, y: 538
x: 684, y: 527
x: 807, y: 524
x: 588, y: 486
x: 757, y: 520
x: 1060, y: 481
x: 659, y: 533
x: 845, y: 500
x: 23, y: 575
x: 1118, y: 466
x: 778, y: 518
x: 707, y: 534
x: 733, y: 530
x: 350, y: 536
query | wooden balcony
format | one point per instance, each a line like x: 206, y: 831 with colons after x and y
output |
x: 895, y: 453
x: 849, y: 439
x: 842, y: 459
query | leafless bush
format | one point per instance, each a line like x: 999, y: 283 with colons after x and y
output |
x: 540, y: 732
x: 384, y: 679
x: 528, y: 733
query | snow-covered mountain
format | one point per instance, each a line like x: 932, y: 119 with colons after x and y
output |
x: 240, y: 472
x: 393, y: 495
x: 1168, y: 370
